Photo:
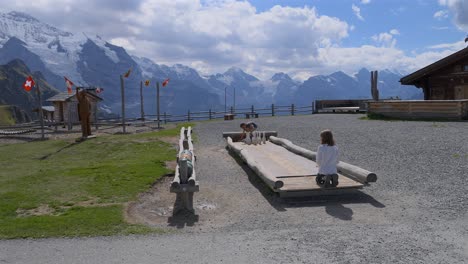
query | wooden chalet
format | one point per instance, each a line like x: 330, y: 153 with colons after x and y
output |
x: 446, y: 79
x: 445, y: 87
x: 66, y: 106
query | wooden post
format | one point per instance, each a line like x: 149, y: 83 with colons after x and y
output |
x: 209, y: 114
x: 165, y: 118
x: 41, y: 116
x: 188, y: 116
x: 122, y: 93
x: 292, y: 109
x: 157, y: 102
x: 232, y: 110
x: 252, y: 109
x: 272, y: 109
x: 96, y: 116
x: 141, y: 100
x: 69, y: 117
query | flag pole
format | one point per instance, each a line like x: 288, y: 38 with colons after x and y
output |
x: 41, y: 116
x: 141, y: 99
x: 157, y: 102
x: 123, y: 102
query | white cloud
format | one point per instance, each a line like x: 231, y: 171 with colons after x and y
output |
x: 357, y: 12
x: 441, y: 14
x: 213, y: 35
x: 365, y: 2
x: 460, y: 10
x: 386, y: 39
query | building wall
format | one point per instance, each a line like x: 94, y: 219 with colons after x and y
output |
x: 444, y: 84
x: 70, y: 110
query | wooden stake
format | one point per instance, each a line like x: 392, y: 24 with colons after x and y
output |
x: 157, y: 102
x: 141, y: 99
x: 122, y: 92
x: 41, y: 116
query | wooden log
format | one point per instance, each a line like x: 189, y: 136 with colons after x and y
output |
x: 347, y: 169
x: 293, y: 148
x: 176, y: 181
x: 270, y: 180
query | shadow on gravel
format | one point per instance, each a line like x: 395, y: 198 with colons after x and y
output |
x: 182, y: 218
x: 334, y: 205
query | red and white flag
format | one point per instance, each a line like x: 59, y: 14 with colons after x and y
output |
x: 69, y: 85
x: 99, y: 90
x: 28, y: 84
x: 127, y: 74
x: 165, y: 82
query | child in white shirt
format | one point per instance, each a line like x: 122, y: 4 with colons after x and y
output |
x: 327, y: 159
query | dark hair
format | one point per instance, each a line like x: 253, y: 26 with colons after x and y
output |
x: 242, y: 124
x: 326, y: 137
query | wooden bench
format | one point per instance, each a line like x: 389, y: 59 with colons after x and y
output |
x: 251, y: 115
x: 229, y: 117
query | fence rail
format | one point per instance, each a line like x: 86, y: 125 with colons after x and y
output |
x: 274, y: 110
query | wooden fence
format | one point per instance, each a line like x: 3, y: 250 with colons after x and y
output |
x: 444, y: 109
x: 274, y: 110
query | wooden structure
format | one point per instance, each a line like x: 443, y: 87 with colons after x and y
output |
x: 446, y: 79
x: 291, y: 170
x: 251, y: 115
x: 185, y: 180
x: 374, y: 82
x: 66, y: 106
x: 345, y: 105
x: 444, y: 109
x: 229, y: 117
x: 47, y: 113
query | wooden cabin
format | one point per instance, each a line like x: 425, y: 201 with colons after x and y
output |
x: 66, y: 106
x: 445, y: 87
x: 446, y: 79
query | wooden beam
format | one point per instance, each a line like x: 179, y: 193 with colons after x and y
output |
x: 349, y: 170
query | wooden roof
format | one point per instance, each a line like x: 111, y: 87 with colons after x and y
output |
x: 65, y: 96
x: 412, y: 78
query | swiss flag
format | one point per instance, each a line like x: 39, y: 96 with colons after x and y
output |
x: 165, y: 82
x: 28, y: 84
x: 69, y: 84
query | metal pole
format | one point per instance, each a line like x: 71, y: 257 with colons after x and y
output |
x: 123, y: 102
x: 41, y: 116
x: 225, y: 104
x: 141, y: 99
x: 157, y: 101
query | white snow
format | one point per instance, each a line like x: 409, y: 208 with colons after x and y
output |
x: 38, y: 35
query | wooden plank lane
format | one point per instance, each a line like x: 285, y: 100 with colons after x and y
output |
x: 284, y: 171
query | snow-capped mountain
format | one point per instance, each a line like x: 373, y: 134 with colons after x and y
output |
x: 92, y: 61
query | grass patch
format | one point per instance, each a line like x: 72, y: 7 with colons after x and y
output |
x: 5, y: 116
x: 84, y: 185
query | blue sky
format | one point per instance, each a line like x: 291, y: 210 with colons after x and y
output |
x: 263, y: 37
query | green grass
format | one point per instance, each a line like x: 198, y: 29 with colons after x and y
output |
x: 5, y: 116
x: 83, y: 184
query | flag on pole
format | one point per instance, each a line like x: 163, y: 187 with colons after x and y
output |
x: 128, y: 73
x: 99, y: 90
x: 165, y: 82
x: 28, y: 84
x: 147, y: 82
x: 69, y: 85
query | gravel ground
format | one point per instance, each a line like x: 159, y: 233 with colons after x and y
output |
x: 416, y: 212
